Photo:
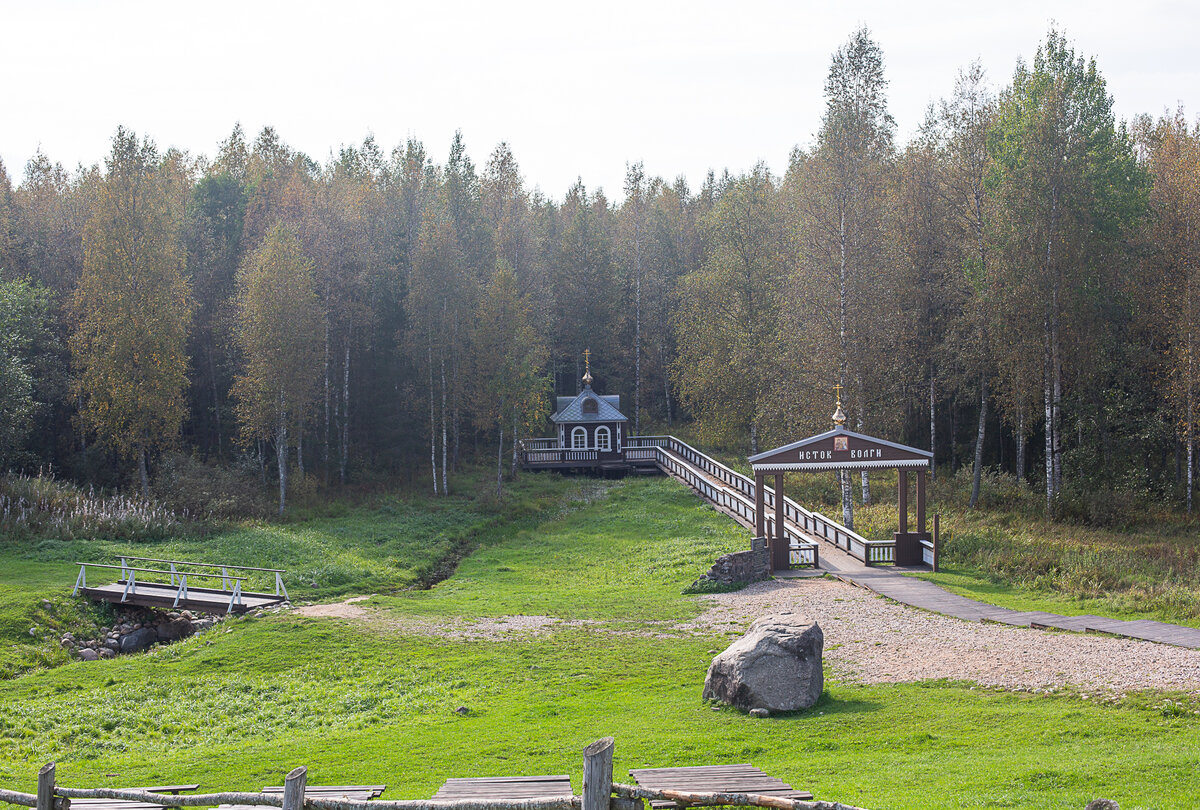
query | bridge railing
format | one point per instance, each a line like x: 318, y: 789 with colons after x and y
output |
x: 179, y: 581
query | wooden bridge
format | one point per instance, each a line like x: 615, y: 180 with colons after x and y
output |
x: 141, y: 585
x: 805, y: 532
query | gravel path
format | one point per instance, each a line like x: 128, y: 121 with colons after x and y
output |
x: 874, y: 640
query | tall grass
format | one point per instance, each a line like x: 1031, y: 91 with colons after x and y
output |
x: 43, y: 506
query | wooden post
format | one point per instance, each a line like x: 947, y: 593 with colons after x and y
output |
x: 780, y: 555
x: 597, y: 774
x: 936, y: 540
x: 45, y: 789
x: 921, y: 501
x: 293, y: 789
x: 760, y: 501
x: 903, y: 499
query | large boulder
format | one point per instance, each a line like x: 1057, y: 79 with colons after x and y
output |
x: 174, y: 630
x: 138, y: 640
x: 775, y: 666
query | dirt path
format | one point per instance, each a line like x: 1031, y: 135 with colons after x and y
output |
x: 868, y: 639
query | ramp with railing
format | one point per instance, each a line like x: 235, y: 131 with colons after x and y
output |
x: 730, y: 492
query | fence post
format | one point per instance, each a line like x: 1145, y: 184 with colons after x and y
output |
x: 45, y: 790
x: 293, y: 789
x: 597, y: 774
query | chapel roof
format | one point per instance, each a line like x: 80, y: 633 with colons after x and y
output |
x: 570, y: 409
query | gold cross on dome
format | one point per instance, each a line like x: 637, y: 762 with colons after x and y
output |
x: 587, y: 360
x: 838, y: 390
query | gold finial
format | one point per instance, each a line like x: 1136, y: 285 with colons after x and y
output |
x: 587, y: 366
x: 839, y: 416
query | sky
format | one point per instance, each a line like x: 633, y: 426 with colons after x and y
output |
x: 578, y: 90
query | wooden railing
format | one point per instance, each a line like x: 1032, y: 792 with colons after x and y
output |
x: 554, y: 455
x: 599, y: 792
x: 730, y: 497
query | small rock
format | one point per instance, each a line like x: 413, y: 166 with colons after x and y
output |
x: 112, y: 644
x: 1102, y: 804
x: 258, y: 614
x: 106, y: 653
x: 463, y: 710
x: 33, y: 631
x: 759, y: 712
x: 46, y: 605
x: 187, y: 614
x: 88, y: 655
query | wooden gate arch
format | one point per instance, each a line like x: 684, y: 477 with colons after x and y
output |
x: 842, y: 449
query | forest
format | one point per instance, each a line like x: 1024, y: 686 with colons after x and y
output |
x: 1014, y: 288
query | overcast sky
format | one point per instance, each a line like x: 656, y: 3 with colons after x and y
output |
x: 577, y: 89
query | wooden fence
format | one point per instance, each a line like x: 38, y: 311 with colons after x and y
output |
x: 599, y: 793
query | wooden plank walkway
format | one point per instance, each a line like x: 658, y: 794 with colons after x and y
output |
x: 742, y: 778
x: 505, y: 787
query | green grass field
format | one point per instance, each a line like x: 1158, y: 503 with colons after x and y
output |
x: 238, y: 707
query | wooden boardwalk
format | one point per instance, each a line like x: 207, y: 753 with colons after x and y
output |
x: 505, y: 787
x: 743, y: 778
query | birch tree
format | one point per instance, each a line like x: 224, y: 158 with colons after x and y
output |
x: 1068, y: 189
x: 728, y: 318
x: 1172, y: 298
x: 843, y: 203
x: 279, y: 331
x: 509, y: 384
x: 133, y: 309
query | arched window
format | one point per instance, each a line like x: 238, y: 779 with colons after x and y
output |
x: 590, y: 407
x: 579, y: 438
x: 603, y: 439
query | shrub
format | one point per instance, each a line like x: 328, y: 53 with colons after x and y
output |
x: 207, y: 492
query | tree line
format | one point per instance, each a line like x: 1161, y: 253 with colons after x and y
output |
x: 1014, y: 288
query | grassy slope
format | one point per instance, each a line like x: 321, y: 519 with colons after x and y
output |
x: 388, y: 544
x: 237, y: 709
